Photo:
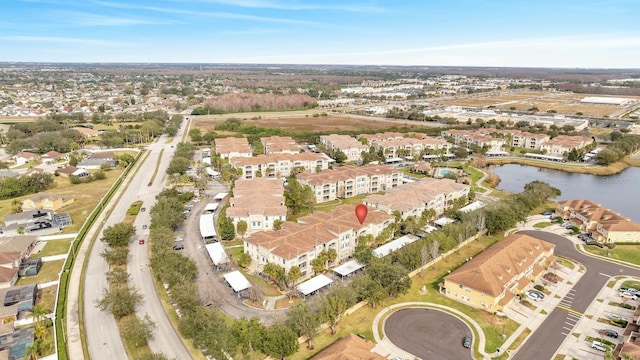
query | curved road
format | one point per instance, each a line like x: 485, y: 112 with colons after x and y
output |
x: 546, y: 340
x: 428, y: 334
x: 102, y: 335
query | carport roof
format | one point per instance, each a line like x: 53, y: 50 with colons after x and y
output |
x: 314, y: 284
x: 237, y: 281
x: 348, y: 268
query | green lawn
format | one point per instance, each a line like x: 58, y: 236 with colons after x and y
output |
x: 628, y: 253
x: 631, y: 284
x: 49, y: 272
x: 54, y: 247
x: 542, y: 225
x: 331, y: 205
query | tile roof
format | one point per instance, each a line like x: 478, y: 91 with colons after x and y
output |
x: 232, y: 145
x: 347, y: 172
x: 259, y: 196
x: 415, y: 195
x: 350, y: 347
x: 296, y: 238
x: 492, y: 269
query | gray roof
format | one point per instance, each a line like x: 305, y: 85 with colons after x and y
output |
x: 28, y: 216
x: 19, y: 243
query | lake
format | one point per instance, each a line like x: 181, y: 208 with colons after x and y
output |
x: 620, y: 192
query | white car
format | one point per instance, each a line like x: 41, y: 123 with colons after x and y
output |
x: 533, y: 296
x: 628, y: 295
x: 596, y: 345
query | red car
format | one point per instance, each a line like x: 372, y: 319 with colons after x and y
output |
x: 141, y: 241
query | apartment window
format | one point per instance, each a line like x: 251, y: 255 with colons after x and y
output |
x: 256, y: 224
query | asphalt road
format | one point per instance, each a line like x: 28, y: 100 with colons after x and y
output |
x: 212, y: 287
x: 102, y: 335
x: 428, y: 334
x: 546, y: 340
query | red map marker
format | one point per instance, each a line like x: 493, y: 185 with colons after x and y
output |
x: 361, y: 212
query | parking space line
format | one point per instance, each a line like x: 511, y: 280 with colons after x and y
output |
x: 570, y: 310
x: 605, y: 275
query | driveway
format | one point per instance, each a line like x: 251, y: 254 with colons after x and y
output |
x: 545, y: 340
x: 428, y: 334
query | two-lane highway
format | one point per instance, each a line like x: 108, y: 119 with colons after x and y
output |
x: 546, y: 340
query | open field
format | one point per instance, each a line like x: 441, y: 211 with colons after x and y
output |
x: 562, y: 103
x: 297, y: 120
x: 86, y: 195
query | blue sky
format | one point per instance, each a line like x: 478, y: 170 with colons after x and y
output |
x: 542, y: 33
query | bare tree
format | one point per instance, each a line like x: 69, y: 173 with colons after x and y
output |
x: 434, y: 249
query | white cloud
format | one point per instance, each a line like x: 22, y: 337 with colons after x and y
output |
x: 215, y: 14
x: 295, y: 5
x: 65, y: 40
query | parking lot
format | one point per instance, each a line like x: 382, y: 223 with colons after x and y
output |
x: 601, y: 327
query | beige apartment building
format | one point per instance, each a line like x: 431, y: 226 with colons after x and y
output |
x: 298, y: 243
x: 413, y: 198
x: 603, y: 224
x: 517, y: 138
x: 232, y: 147
x: 349, y: 181
x: 351, y: 147
x: 280, y: 165
x: 492, y: 279
x: 259, y: 202
x: 467, y: 138
x: 562, y: 144
x: 280, y: 145
x: 397, y: 145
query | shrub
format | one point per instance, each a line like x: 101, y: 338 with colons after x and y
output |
x: 539, y: 287
x: 611, y: 245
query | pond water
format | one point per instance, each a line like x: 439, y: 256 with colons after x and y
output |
x: 620, y: 192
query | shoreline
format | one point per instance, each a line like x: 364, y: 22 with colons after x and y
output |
x: 611, y: 169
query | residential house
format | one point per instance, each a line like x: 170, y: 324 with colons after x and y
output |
x: 298, y: 243
x: 492, y: 279
x: 9, y: 266
x: 21, y: 245
x: 86, y: 132
x: 232, y: 147
x: 349, y: 181
x: 52, y: 156
x: 46, y: 201
x: 17, y: 302
x: 24, y: 157
x: 280, y: 165
x: 67, y: 170
x: 259, y: 202
x: 348, y: 348
x: 351, y: 147
x: 280, y: 145
x: 97, y: 162
x: 413, y: 198
x: 563, y: 144
x: 40, y: 222
x: 603, y: 224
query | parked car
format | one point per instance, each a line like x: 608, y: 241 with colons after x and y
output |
x: 630, y: 290
x: 144, y: 227
x: 533, y: 296
x: 551, y: 278
x: 596, y: 345
x: 466, y: 342
x: 538, y: 293
x: 143, y: 209
x: 610, y: 333
x: 615, y: 316
x: 178, y: 247
x: 628, y: 295
x: 547, y: 213
x: 141, y: 241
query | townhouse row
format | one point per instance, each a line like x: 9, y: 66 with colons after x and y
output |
x: 603, y: 224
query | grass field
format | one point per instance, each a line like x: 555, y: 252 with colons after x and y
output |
x: 86, y: 197
x: 49, y: 271
x: 614, y: 168
x: 628, y: 253
x: 54, y: 247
